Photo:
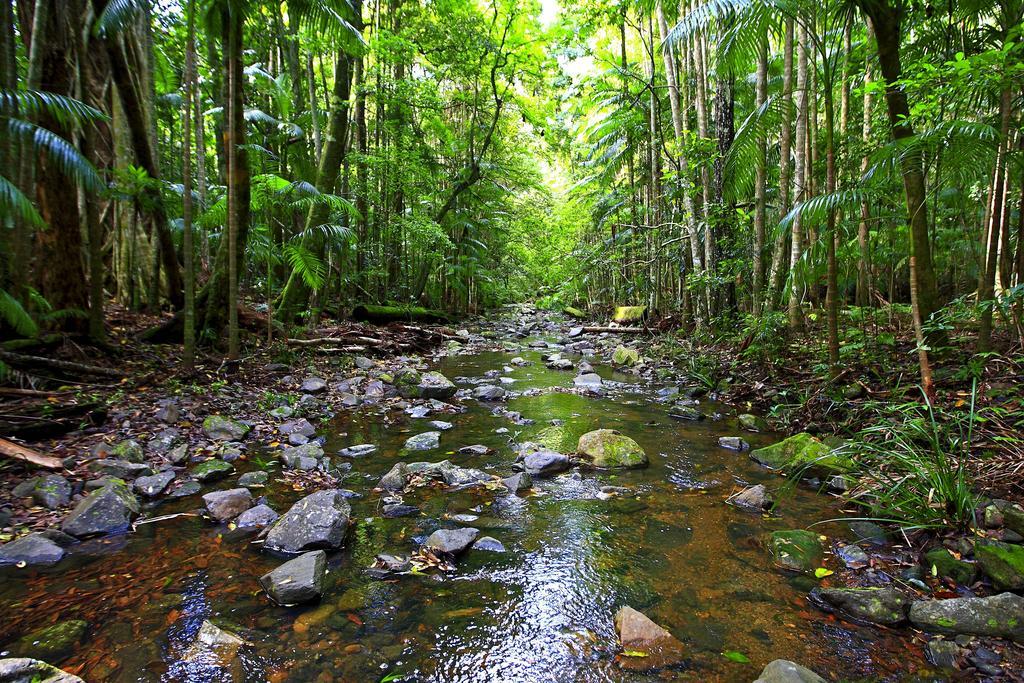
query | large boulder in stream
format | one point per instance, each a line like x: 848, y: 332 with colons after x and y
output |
x: 608, y: 448
x: 107, y: 510
x: 426, y: 441
x: 645, y: 644
x: 785, y: 671
x: 298, y: 580
x: 804, y: 454
x: 1000, y: 615
x: 27, y: 670
x: 428, y: 385
x: 319, y: 520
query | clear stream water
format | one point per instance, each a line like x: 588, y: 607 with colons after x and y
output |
x: 542, y: 611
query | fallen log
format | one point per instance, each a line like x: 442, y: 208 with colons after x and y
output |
x: 327, y: 341
x: 14, y: 451
x: 617, y: 330
x: 387, y: 314
x: 61, y: 365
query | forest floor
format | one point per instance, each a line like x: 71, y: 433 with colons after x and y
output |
x: 137, y: 404
x: 783, y: 381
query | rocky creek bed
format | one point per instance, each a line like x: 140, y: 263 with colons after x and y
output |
x: 531, y: 503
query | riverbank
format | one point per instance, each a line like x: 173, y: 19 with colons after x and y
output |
x: 526, y: 377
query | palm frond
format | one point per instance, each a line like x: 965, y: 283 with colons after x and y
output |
x: 13, y: 202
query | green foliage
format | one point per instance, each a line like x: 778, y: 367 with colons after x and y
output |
x: 916, y: 459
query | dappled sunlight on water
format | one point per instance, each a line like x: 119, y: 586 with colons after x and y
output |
x: 542, y: 611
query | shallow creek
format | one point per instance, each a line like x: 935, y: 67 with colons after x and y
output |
x: 542, y: 611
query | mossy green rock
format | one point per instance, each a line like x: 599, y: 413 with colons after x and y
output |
x: 946, y: 565
x: 752, y: 423
x: 797, y: 550
x: 211, y: 470
x: 107, y: 510
x: 876, y: 605
x: 623, y: 355
x: 129, y: 450
x: 803, y: 452
x: 997, y: 615
x: 629, y: 314
x: 1002, y: 563
x: 609, y: 448
x: 573, y: 312
x: 52, y: 643
x: 224, y: 428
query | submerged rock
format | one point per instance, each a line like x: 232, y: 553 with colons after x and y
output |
x: 752, y: 423
x: 52, y: 643
x: 999, y: 615
x: 226, y: 505
x: 785, y: 671
x: 733, y: 443
x: 797, y: 550
x: 423, y: 442
x: 254, y: 479
x: 886, y: 606
x: 104, y: 511
x: 214, y: 645
x: 489, y: 544
x: 608, y: 448
x: 212, y: 470
x: 32, y: 549
x: 646, y: 645
x: 452, y: 541
x: 222, y: 428
x: 752, y: 498
x: 520, y: 481
x: 358, y: 451
x: 298, y: 580
x: 319, y: 520
x: 27, y: 670
x: 803, y: 453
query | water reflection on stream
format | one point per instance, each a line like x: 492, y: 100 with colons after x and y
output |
x: 542, y: 611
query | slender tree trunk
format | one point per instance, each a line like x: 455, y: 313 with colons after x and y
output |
x: 690, y: 216
x: 779, y: 260
x: 796, y: 318
x: 235, y: 119
x: 760, y: 182
x: 863, y: 229
x: 188, y: 359
x: 986, y: 297
x: 886, y: 22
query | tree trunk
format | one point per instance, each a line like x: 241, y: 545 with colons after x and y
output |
x: 779, y: 260
x: 796, y: 318
x: 238, y: 172
x: 760, y: 182
x: 863, y: 229
x: 188, y: 359
x: 60, y: 272
x: 986, y: 296
x: 296, y: 292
